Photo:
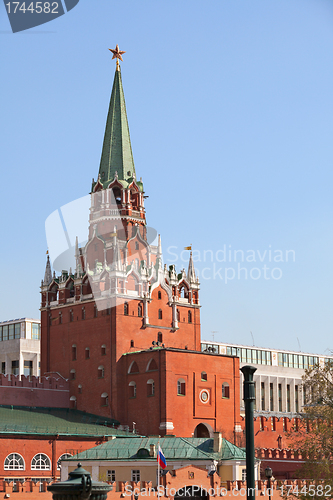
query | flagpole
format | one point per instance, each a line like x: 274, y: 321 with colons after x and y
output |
x: 158, y: 469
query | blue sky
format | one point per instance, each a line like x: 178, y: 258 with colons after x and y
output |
x: 231, y: 114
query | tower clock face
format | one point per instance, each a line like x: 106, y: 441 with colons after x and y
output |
x: 204, y: 396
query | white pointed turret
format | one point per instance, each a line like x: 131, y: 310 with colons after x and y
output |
x: 191, y: 272
x: 159, y: 252
x: 48, y: 272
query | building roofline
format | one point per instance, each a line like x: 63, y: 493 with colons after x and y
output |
x: 17, y: 320
x: 272, y: 349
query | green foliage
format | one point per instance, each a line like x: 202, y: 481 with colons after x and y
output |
x: 314, y: 436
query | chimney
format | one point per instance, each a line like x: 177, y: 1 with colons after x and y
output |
x: 152, y: 451
x: 217, y: 446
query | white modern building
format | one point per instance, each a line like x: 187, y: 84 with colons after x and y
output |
x: 278, y: 379
x: 20, y: 347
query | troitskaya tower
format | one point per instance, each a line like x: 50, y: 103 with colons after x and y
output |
x: 120, y: 298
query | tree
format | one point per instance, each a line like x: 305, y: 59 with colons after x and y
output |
x: 314, y: 436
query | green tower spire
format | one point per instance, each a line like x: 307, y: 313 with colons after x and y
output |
x: 117, y: 150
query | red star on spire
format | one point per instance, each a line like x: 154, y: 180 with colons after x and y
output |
x: 117, y: 53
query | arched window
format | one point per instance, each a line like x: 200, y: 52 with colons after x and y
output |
x: 104, y: 399
x: 74, y: 353
x: 79, y: 388
x: 14, y: 461
x: 40, y: 462
x: 204, y: 376
x: 225, y: 390
x: 72, y: 402
x: 181, y: 387
x: 132, y: 343
x: 87, y: 353
x: 132, y: 389
x: 189, y: 316
x: 103, y: 350
x: 159, y: 337
x: 101, y: 371
x: 83, y: 313
x: 140, y: 310
x: 151, y: 366
x: 72, y: 374
x: 150, y: 387
x: 133, y: 368
x: 160, y: 314
x: 71, y: 315
x: 126, y: 308
x: 95, y: 311
x: 159, y: 295
x: 62, y: 457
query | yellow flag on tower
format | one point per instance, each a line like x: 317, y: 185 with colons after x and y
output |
x: 188, y: 248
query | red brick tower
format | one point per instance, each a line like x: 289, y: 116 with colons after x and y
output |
x: 120, y: 299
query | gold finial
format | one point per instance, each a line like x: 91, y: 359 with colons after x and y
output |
x: 117, y: 55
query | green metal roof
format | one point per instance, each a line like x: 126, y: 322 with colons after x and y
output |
x: 174, y: 448
x: 62, y: 421
x: 117, y: 150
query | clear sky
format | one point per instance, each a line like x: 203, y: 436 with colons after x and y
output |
x: 230, y: 111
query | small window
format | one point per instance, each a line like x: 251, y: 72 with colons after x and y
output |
x: 159, y: 337
x: 136, y: 245
x: 159, y: 295
x: 150, y: 387
x: 103, y: 350
x: 104, y: 399
x: 14, y: 461
x: 225, y: 390
x: 87, y: 353
x: 135, y: 475
x: 189, y: 316
x: 74, y: 353
x: 95, y: 311
x: 62, y: 457
x: 152, y: 366
x: 111, y: 476
x: 101, y: 371
x: 71, y: 315
x: 140, y: 310
x: 132, y: 389
x: 83, y: 313
x: 243, y: 475
x: 178, y: 315
x: 132, y: 343
x: 133, y: 367
x: 40, y: 462
x: 60, y: 318
x: 126, y: 308
x: 79, y: 388
x: 204, y: 376
x: 181, y: 387
x: 160, y: 314
x: 72, y: 374
x: 72, y: 402
x: 273, y: 423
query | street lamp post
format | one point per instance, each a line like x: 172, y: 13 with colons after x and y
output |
x: 249, y: 399
x: 269, y: 474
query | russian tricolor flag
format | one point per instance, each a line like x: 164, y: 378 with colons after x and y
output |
x: 161, y: 458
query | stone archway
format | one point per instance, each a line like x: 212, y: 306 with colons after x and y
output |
x: 191, y: 493
x: 203, y: 430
